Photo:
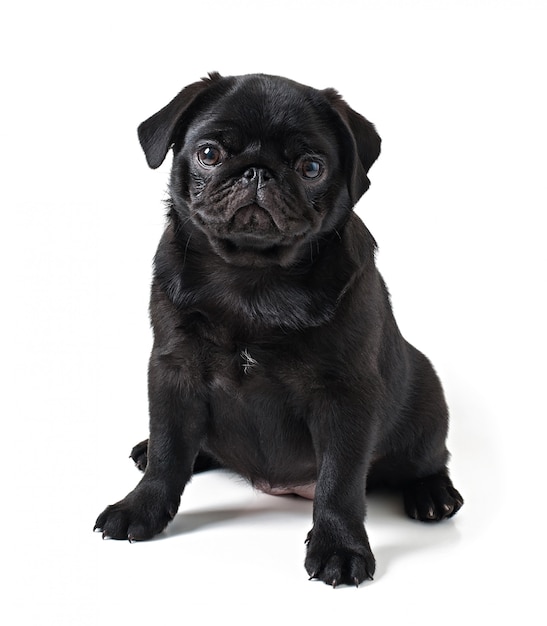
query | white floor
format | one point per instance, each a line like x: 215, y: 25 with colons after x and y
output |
x: 237, y: 555
x: 457, y: 205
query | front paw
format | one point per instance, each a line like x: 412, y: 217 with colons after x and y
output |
x: 143, y: 513
x: 339, y: 556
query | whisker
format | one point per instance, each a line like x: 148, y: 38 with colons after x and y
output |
x: 186, y: 250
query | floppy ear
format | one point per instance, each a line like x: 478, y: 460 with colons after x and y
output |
x: 157, y: 133
x: 362, y: 140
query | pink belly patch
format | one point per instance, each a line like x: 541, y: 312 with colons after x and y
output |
x: 304, y: 491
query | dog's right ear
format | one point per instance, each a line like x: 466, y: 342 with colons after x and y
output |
x: 157, y: 133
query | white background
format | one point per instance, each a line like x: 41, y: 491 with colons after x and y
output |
x: 457, y: 204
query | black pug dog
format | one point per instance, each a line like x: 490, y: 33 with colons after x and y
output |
x: 276, y: 354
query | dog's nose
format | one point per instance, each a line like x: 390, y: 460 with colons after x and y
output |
x: 258, y: 175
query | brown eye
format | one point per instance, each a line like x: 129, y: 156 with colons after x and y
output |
x: 309, y: 168
x: 209, y: 156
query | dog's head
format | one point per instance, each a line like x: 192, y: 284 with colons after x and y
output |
x: 262, y: 165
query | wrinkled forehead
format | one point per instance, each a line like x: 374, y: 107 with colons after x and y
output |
x: 263, y: 109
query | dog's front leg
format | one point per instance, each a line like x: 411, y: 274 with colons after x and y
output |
x: 177, y: 426
x: 338, y: 548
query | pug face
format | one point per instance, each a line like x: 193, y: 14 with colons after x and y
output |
x: 262, y: 166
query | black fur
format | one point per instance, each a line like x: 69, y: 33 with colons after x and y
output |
x: 276, y: 354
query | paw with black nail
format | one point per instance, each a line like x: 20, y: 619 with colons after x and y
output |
x: 143, y: 513
x: 432, y: 499
x: 339, y: 556
x: 139, y: 454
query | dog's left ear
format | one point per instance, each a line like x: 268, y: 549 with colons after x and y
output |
x: 361, y: 139
x: 157, y: 133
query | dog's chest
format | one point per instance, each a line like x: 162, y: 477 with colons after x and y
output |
x: 235, y: 357
x: 242, y: 366
x: 258, y: 389
x: 257, y: 418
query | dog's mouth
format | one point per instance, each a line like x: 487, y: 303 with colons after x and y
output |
x: 254, y: 220
x: 254, y: 235
x: 250, y: 221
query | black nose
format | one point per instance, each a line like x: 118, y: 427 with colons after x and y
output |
x: 258, y: 175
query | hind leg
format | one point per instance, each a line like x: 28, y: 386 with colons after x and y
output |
x: 428, y: 492
x: 203, y: 462
x: 432, y: 498
x: 139, y: 454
